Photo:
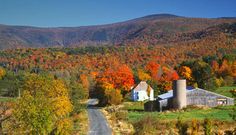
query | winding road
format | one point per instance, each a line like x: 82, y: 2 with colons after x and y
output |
x: 97, y: 122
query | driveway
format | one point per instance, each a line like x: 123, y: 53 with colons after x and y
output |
x: 97, y: 122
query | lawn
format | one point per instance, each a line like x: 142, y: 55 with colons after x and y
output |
x: 136, y: 112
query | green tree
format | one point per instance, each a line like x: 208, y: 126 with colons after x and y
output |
x: 202, y: 74
x: 77, y: 93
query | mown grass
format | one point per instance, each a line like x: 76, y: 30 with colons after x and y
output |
x: 222, y: 113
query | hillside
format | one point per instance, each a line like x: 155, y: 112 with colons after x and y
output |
x: 148, y: 30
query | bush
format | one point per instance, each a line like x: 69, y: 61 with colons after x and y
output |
x: 113, y: 96
x: 182, y: 127
x: 189, y: 108
x: 228, y: 81
x: 121, y: 115
x: 195, y: 127
x: 230, y: 132
x: 77, y: 93
x: 207, y: 127
x: 146, y: 126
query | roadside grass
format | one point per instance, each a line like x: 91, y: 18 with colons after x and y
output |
x: 81, y: 120
x: 134, y: 106
x: 7, y: 99
x: 225, y: 90
x: 81, y: 123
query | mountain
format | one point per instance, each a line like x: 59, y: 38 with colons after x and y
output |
x: 149, y: 30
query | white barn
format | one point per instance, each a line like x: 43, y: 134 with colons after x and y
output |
x: 142, y: 92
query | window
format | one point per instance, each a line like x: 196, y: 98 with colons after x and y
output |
x: 137, y: 95
x: 221, y: 101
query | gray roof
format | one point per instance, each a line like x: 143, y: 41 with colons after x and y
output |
x: 169, y: 94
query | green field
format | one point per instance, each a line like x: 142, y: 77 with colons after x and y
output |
x: 221, y: 113
x: 218, y: 113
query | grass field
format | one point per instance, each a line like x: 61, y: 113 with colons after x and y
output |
x: 136, y: 111
x: 218, y: 113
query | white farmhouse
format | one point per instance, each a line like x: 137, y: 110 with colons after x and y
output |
x: 142, y: 92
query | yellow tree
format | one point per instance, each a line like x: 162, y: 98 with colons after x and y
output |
x: 185, y: 72
x: 2, y: 72
x: 143, y: 76
x: 44, y: 106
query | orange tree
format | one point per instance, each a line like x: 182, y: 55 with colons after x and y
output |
x: 120, y: 77
x: 114, y: 81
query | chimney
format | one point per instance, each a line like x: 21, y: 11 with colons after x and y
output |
x: 179, y: 94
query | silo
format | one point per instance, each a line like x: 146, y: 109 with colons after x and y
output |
x: 179, y: 94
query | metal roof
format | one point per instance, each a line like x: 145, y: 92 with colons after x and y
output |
x: 169, y: 94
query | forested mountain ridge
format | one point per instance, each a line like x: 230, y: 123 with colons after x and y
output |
x: 149, y: 30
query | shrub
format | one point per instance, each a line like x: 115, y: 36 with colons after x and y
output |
x: 113, y: 96
x: 182, y: 127
x: 77, y: 93
x: 207, y: 127
x: 195, y: 127
x: 230, y: 132
x: 109, y: 97
x: 191, y: 107
x: 228, y: 81
x: 122, y: 115
x: 146, y: 126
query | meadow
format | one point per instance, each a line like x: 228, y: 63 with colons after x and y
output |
x: 222, y: 113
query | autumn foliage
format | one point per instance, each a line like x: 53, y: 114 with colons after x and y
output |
x: 43, y: 107
x: 118, y: 77
x: 2, y: 72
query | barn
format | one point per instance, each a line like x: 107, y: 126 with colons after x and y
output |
x: 181, y: 96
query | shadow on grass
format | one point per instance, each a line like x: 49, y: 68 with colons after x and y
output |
x: 135, y: 110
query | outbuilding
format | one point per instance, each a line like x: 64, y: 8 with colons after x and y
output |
x: 181, y: 96
x: 142, y: 92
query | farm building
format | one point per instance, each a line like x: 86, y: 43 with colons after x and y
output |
x: 181, y: 96
x: 142, y: 92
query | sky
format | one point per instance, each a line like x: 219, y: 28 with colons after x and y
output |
x: 70, y: 13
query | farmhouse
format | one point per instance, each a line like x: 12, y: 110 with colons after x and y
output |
x: 142, y: 92
x: 181, y: 96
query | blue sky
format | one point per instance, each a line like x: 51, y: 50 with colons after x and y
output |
x: 55, y: 13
